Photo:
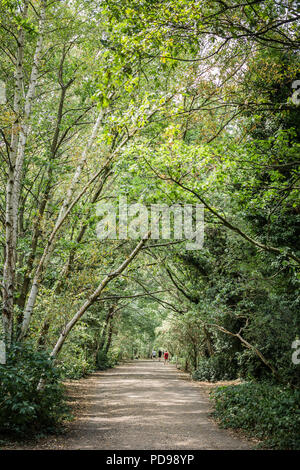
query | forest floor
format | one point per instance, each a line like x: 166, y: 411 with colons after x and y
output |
x: 140, y: 405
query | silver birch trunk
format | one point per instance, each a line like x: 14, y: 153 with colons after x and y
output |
x: 16, y: 159
x: 64, y: 211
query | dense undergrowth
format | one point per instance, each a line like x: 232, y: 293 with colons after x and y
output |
x: 24, y: 409
x: 167, y: 104
x: 216, y: 368
x: 268, y: 412
x: 262, y: 409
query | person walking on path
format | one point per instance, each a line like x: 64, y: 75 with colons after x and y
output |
x: 166, y: 356
x: 153, y: 354
x: 159, y: 355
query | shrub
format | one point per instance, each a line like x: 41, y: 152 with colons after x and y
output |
x: 75, y: 362
x: 105, y: 360
x: 24, y: 409
x: 265, y: 411
x: 217, y: 367
x: 74, y: 368
x: 180, y: 361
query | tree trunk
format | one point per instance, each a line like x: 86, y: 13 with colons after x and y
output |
x: 64, y: 211
x: 20, y: 132
x: 95, y: 295
x: 208, y: 342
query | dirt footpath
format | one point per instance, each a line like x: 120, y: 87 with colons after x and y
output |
x: 142, y: 405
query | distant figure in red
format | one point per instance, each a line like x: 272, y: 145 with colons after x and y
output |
x: 166, y: 356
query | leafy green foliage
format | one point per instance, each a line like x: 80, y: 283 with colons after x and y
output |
x: 24, y: 409
x: 105, y: 360
x: 214, y: 368
x: 195, y: 105
x: 262, y: 410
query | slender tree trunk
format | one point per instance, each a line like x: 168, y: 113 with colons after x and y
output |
x: 109, y: 337
x: 20, y: 132
x: 64, y: 211
x: 10, y: 239
x: 43, y: 333
x: 104, y: 329
x: 208, y: 341
x: 195, y: 358
x: 68, y: 266
x: 251, y: 347
x: 95, y: 295
x: 46, y: 193
x: 67, y: 206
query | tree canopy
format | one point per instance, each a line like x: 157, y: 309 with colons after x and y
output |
x: 161, y: 102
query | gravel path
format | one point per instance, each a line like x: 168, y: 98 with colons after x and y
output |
x: 143, y: 405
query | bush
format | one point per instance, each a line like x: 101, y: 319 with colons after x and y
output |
x: 180, y: 361
x: 24, y: 409
x: 217, y: 367
x: 75, y: 361
x: 265, y: 411
x: 105, y: 360
x: 74, y: 367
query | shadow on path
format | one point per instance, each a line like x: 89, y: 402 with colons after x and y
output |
x: 147, y: 405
